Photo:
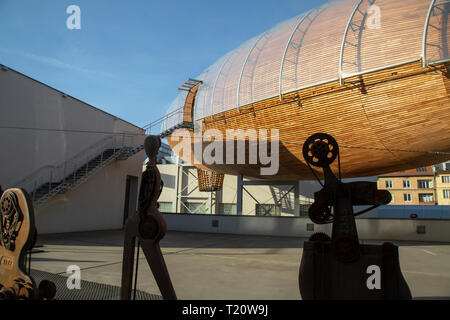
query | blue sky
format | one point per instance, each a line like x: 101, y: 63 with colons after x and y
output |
x: 129, y: 57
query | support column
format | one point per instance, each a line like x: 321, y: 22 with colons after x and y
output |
x: 210, y: 203
x: 239, y: 189
x: 175, y: 205
x: 297, y: 199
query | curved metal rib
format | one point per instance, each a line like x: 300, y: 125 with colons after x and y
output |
x: 245, y: 63
x: 425, y: 33
x: 287, y: 47
x: 226, y: 59
x: 344, y: 40
x: 443, y: 46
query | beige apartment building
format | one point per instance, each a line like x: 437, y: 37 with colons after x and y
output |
x: 410, y: 187
x: 421, y: 186
x: 443, y: 185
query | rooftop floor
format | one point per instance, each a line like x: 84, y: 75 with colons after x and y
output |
x: 221, y: 266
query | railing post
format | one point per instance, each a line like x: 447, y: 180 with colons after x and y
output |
x: 74, y: 173
x: 87, y: 164
x: 34, y: 190
x: 50, y: 183
x: 64, y: 173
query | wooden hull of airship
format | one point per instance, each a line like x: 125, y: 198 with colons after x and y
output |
x: 388, y: 119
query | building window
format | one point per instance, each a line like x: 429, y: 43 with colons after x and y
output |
x: 388, y: 184
x: 421, y: 169
x: 445, y: 179
x: 424, y: 184
x: 407, y: 197
x: 268, y: 209
x: 446, y: 194
x: 406, y: 184
x: 228, y: 208
x: 304, y: 210
x: 165, y: 207
x: 427, y: 197
x: 194, y: 208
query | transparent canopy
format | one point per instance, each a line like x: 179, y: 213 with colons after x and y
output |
x: 332, y: 42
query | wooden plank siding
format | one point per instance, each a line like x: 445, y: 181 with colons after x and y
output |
x: 384, y: 121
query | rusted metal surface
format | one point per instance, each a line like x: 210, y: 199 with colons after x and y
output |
x: 336, y: 267
x: 149, y: 227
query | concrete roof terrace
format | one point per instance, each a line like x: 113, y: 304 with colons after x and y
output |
x: 206, y: 266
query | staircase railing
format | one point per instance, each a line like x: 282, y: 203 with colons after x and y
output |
x: 168, y: 121
x: 64, y: 174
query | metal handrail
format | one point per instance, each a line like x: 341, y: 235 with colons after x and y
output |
x: 152, y: 124
x: 60, y: 165
x: 57, y: 173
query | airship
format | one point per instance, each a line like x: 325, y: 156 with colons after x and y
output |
x: 373, y: 74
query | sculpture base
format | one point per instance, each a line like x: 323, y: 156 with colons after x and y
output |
x: 323, y: 277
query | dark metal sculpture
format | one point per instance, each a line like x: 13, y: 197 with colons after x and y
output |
x: 17, y: 236
x: 337, y: 267
x: 149, y: 227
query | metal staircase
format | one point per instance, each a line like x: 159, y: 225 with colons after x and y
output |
x: 49, y: 180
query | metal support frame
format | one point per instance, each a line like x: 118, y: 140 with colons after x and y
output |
x: 433, y: 5
x: 179, y: 192
x: 240, y: 188
x: 359, y: 28
x: 307, y: 17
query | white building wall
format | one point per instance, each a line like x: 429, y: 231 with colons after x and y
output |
x: 96, y: 204
x: 27, y: 105
x: 368, y: 229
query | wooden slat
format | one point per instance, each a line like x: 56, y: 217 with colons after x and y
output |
x: 402, y: 108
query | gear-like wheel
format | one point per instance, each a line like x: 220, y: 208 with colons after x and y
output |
x: 6, y: 206
x: 320, y: 150
x: 345, y: 247
x: 319, y: 236
x: 319, y: 214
